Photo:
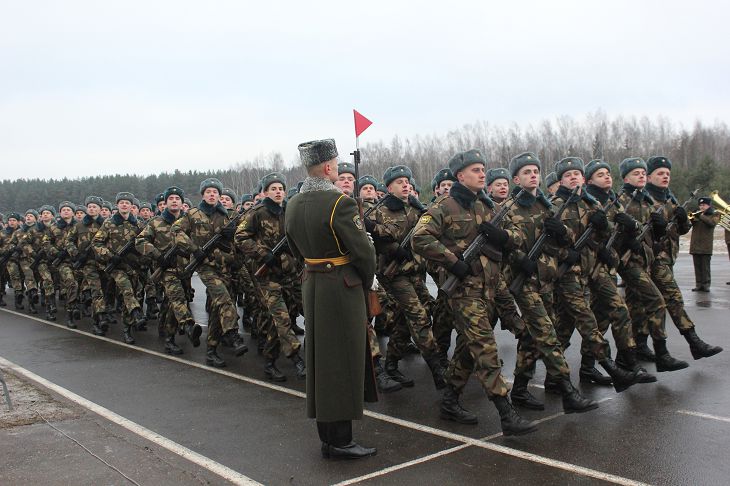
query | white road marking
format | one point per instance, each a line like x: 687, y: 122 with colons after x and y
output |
x: 379, y: 416
x: 192, y: 456
x: 705, y: 415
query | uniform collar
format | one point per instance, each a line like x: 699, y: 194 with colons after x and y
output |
x: 272, y: 207
x: 209, y: 210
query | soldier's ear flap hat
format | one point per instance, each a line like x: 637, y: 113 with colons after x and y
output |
x: 657, y: 162
x: 145, y: 205
x: 227, y: 191
x: 367, y: 179
x: 211, y: 182
x: 569, y: 163
x: 346, y: 168
x: 135, y: 202
x: 269, y: 179
x: 81, y: 208
x: 246, y: 198
x: 160, y: 197
x: 125, y: 196
x: 66, y: 204
x: 632, y: 163
x: 188, y: 202
x: 33, y: 212
x: 15, y: 216
x: 522, y: 160
x: 551, y: 179
x: 317, y: 152
x: 441, y: 176
x: 462, y: 160
x: 47, y: 207
x: 107, y: 204
x: 393, y: 173
x: 173, y: 191
x: 497, y: 173
x: 593, y: 166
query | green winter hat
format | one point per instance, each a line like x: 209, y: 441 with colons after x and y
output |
x: 227, y: 191
x: 93, y: 200
x: 497, y: 173
x: 107, y: 204
x: 415, y: 185
x: 211, y: 182
x: 246, y: 198
x: 367, y: 179
x: 269, y: 179
x: 188, y: 202
x: 657, y: 162
x: 593, y: 166
x: 145, y: 205
x: 135, y: 202
x: 569, y: 163
x: 66, y: 204
x: 627, y: 165
x: 172, y: 191
x: 551, y: 179
x: 462, y: 160
x: 444, y: 174
x: 393, y: 173
x: 160, y: 198
x: 292, y: 192
x: 346, y: 168
x: 33, y: 212
x: 522, y: 160
x: 317, y: 151
x: 15, y: 216
x: 126, y: 196
x: 47, y: 207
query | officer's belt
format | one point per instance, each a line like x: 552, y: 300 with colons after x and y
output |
x: 326, y: 264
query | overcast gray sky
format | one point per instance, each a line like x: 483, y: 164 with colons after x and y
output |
x: 101, y: 87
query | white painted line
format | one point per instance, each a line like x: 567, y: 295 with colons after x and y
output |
x: 192, y: 456
x: 379, y: 416
x: 705, y: 415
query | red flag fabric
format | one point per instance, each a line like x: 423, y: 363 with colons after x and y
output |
x: 361, y: 123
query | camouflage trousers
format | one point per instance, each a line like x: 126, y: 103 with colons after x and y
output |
x: 125, y: 288
x: 509, y: 319
x: 574, y: 312
x: 92, y: 281
x: 223, y: 316
x: 408, y: 294
x: 540, y: 341
x: 476, y: 348
x: 646, y: 305
x: 28, y: 274
x: 374, y: 344
x: 385, y: 321
x: 15, y: 275
x: 69, y: 284
x: 175, y: 303
x: 663, y: 276
x: 276, y: 297
x: 610, y: 310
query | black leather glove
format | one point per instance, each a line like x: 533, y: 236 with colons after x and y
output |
x: 401, y: 255
x: 658, y: 224
x: 164, y: 262
x: 199, y: 255
x: 555, y: 228
x: 494, y: 234
x: 115, y: 260
x: 227, y: 232
x: 598, y: 220
x: 81, y: 259
x: 572, y: 258
x: 269, y: 260
x: 528, y: 267
x: 627, y: 222
x: 606, y: 257
x: 369, y: 225
x: 461, y: 269
x: 681, y: 214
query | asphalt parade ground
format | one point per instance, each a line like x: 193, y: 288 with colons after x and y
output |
x: 119, y: 414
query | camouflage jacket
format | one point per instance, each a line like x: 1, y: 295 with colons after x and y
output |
x: 113, y: 235
x: 639, y: 208
x: 666, y: 249
x: 54, y: 241
x: 80, y: 236
x: 393, y: 220
x: 31, y: 242
x: 8, y: 240
x: 193, y: 229
x: 156, y: 237
x: 446, y: 230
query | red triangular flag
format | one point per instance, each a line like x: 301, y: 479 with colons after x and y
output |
x: 361, y: 123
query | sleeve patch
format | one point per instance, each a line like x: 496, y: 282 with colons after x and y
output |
x: 357, y: 221
x: 425, y: 219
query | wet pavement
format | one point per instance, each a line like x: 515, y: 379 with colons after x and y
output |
x: 676, y: 431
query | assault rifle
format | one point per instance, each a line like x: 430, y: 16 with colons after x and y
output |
x: 37, y: 260
x: 406, y: 243
x: 642, y: 234
x: 167, y: 257
x: 123, y: 251
x: 82, y: 258
x: 614, y: 234
x: 673, y: 222
x: 211, y: 244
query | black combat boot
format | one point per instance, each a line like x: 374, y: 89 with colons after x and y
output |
x: 2, y: 300
x: 589, y: 374
x: 451, y: 409
x: 138, y: 320
x: 626, y: 359
x: 127, y: 334
x: 75, y: 312
x: 193, y: 331
x: 300, y: 366
x: 212, y: 358
x: 236, y: 342
x: 437, y: 371
x: 553, y: 385
x: 384, y: 382
x: 643, y: 351
x: 272, y: 372
x: 621, y: 378
x: 19, y: 300
x: 522, y: 397
x: 512, y: 423
x: 33, y: 301
x: 664, y: 360
x: 391, y: 367
x: 42, y: 299
x: 70, y: 320
x: 97, y: 328
x: 697, y: 346
x: 573, y: 401
x: 51, y: 308
x: 171, y: 347
x: 153, y: 311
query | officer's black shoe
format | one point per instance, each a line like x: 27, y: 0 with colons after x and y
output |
x: 239, y: 347
x: 391, y: 367
x: 383, y: 381
x: 171, y: 347
x: 300, y: 366
x: 664, y: 360
x: 212, y: 358
x: 51, y: 308
x: 512, y: 423
x: 193, y: 331
x: 297, y: 330
x: 19, y: 301
x: 621, y: 378
x: 272, y: 372
x: 626, y: 359
x: 127, y: 335
x: 553, y: 385
x: 643, y: 351
x: 451, y: 409
x: 589, y: 374
x: 573, y: 401
x: 521, y: 396
x: 138, y: 320
x: 698, y: 347
x: 437, y: 371
x: 350, y: 451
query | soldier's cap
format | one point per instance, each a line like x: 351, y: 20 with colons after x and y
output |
x: 317, y: 152
x: 47, y: 207
x: 367, y: 179
x: 93, y: 200
x: 107, y: 204
x: 269, y: 179
x: 125, y: 196
x: 629, y: 164
x: 462, y: 160
x: 188, y: 202
x: 227, y: 191
x: 292, y: 192
x: 211, y: 182
x: 594, y: 165
x: 415, y: 185
x: 173, y: 191
x: 393, y: 173
x: 381, y: 187
x: 160, y: 197
x: 497, y: 173
x: 522, y: 160
x: 705, y: 200
x: 135, y: 202
x: 81, y: 208
x: 145, y: 205
x: 444, y: 174
x: 551, y: 179
x: 33, y: 212
x: 246, y: 198
x: 66, y: 204
x: 346, y: 168
x: 569, y: 163
x: 657, y: 162
x: 15, y: 216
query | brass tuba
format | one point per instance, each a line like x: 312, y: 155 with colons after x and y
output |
x: 723, y: 208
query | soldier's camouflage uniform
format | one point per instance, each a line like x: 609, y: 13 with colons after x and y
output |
x: 10, y: 242
x: 31, y: 245
x: 55, y: 246
x: 78, y: 244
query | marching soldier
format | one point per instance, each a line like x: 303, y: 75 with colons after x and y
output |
x: 701, y: 242
x: 10, y: 252
x: 55, y: 245
x: 346, y: 178
x: 498, y: 184
x: 28, y: 251
x: 442, y: 182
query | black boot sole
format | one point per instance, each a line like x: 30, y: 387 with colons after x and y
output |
x: 277, y: 379
x: 605, y: 381
x: 581, y: 410
x: 698, y: 355
x: 215, y: 364
x: 515, y: 433
x: 526, y: 404
x: 454, y: 418
x: 176, y: 352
